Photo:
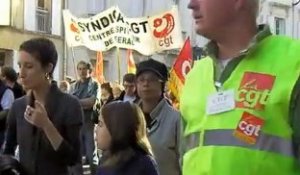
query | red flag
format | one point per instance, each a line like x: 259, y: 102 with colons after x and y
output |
x: 99, y: 68
x: 183, y: 63
x: 181, y: 67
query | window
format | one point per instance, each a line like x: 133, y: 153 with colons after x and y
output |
x: 43, y: 16
x: 41, y: 4
x: 5, y: 9
x: 176, y: 2
x: 279, y: 26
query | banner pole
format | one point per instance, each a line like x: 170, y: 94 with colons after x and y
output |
x: 66, y: 53
x: 73, y: 57
x: 119, y: 66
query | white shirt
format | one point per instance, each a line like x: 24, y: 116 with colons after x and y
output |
x: 224, y: 62
x: 7, y: 99
x: 129, y: 98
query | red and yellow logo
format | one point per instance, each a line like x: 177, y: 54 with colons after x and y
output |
x: 73, y: 28
x: 248, y: 129
x: 166, y: 28
x: 254, y: 90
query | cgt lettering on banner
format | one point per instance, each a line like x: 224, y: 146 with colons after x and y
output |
x: 139, y: 27
x: 77, y: 38
x: 132, y: 28
x: 166, y: 42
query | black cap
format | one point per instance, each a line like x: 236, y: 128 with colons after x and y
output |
x: 154, y: 66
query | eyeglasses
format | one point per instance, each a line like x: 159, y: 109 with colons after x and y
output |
x: 149, y: 80
x: 128, y: 86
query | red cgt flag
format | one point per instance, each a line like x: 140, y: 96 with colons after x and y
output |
x: 180, y: 69
x: 184, y: 60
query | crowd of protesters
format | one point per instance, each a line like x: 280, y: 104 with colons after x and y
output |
x: 60, y: 126
x: 135, y: 128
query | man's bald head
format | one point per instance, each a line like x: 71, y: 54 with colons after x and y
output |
x: 214, y: 17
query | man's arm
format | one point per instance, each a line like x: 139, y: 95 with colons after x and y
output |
x: 179, y: 139
x: 6, y: 103
x: 7, y: 99
x: 87, y: 103
x: 295, y: 118
x: 3, y: 114
x: 11, y: 132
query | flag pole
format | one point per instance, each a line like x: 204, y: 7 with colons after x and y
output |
x: 128, y: 60
x: 119, y: 66
x: 73, y: 57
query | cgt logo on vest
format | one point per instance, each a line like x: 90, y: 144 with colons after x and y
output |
x: 254, y: 90
x: 249, y: 128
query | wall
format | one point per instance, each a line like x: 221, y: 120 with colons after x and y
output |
x: 17, y: 14
x: 283, y: 9
x: 57, y: 17
x: 29, y: 15
x: 14, y: 38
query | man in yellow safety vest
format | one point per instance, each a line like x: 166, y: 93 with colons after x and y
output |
x: 241, y: 102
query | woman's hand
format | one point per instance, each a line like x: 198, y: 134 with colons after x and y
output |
x: 37, y: 116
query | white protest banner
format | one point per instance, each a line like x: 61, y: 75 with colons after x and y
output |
x: 166, y: 30
x: 112, y: 29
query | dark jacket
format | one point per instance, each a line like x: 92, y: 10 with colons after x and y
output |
x: 37, y: 155
x: 3, y: 113
x: 18, y: 91
x: 110, y: 99
x: 140, y: 164
x: 9, y: 166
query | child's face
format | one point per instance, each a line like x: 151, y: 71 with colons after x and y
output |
x: 63, y: 88
x: 104, y: 94
x: 116, y: 92
x: 103, y: 137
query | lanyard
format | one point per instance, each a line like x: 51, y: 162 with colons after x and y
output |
x: 219, y: 86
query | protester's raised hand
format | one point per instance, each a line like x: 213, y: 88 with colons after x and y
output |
x: 37, y: 116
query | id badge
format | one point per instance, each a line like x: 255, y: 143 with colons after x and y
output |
x: 220, y: 102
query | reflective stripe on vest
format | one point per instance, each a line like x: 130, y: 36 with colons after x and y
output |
x: 191, y: 141
x: 265, y: 142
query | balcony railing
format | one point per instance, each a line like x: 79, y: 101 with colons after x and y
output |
x: 43, y: 20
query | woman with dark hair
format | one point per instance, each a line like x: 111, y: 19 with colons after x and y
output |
x: 121, y: 134
x: 46, y: 122
x: 106, y: 97
x: 106, y: 94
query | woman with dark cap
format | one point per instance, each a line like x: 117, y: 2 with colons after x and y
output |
x: 163, y: 121
x: 46, y: 122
